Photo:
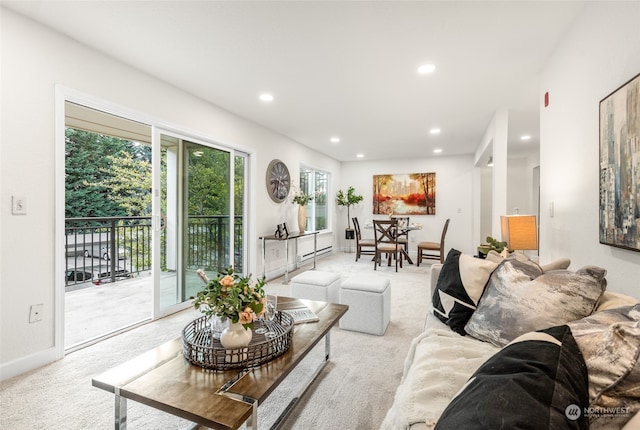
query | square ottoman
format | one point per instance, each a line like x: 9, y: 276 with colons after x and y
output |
x: 316, y: 285
x: 369, y: 300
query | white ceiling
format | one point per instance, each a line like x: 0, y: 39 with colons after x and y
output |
x: 343, y: 68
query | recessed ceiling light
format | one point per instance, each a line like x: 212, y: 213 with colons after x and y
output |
x: 360, y: 155
x: 434, y: 131
x: 525, y: 137
x: 425, y: 69
x: 437, y: 151
x: 335, y: 139
x: 266, y: 97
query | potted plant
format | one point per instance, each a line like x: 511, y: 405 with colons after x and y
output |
x: 351, y: 198
x: 492, y: 244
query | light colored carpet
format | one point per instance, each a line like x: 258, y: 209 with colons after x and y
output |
x: 354, y: 391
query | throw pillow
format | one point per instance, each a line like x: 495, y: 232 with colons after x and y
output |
x: 610, y: 343
x: 520, y: 298
x: 460, y: 285
x: 539, y: 381
x: 559, y: 264
x: 611, y: 300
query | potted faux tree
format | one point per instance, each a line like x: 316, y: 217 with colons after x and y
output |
x: 349, y: 199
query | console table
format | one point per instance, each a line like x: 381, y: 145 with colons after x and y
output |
x: 286, y: 239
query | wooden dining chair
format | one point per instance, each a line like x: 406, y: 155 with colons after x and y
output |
x: 363, y: 246
x: 403, y: 235
x: 433, y: 250
x: 385, y: 233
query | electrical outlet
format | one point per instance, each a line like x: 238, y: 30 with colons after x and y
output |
x: 35, y: 313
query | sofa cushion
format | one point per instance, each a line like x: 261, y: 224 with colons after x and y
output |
x: 459, y: 287
x: 539, y: 381
x: 520, y: 298
x: 610, y: 343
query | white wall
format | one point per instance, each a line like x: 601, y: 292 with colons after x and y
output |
x: 34, y: 61
x: 520, y: 186
x: 599, y: 53
x: 454, y: 188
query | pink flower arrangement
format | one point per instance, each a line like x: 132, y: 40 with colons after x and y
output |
x: 231, y: 296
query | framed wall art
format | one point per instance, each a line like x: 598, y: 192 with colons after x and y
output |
x: 620, y: 167
x: 404, y: 194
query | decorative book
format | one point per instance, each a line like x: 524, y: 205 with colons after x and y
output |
x: 302, y: 315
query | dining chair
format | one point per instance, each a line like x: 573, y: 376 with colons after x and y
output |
x: 385, y: 233
x: 363, y: 246
x: 433, y: 250
x: 403, y: 235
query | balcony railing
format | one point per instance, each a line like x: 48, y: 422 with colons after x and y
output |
x: 112, y: 248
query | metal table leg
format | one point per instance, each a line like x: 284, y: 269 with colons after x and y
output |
x: 120, y: 411
x: 263, y: 257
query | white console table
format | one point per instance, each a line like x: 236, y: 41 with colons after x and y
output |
x: 293, y: 236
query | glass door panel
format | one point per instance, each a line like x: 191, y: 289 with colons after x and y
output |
x: 197, y: 191
x: 208, y: 228
x: 169, y: 280
x: 239, y: 226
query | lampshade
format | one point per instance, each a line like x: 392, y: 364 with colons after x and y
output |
x: 519, y: 231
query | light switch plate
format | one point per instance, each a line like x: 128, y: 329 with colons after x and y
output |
x: 18, y: 205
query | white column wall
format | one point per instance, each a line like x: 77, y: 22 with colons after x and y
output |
x: 600, y: 53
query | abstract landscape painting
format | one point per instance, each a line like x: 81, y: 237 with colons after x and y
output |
x: 620, y: 167
x: 404, y: 194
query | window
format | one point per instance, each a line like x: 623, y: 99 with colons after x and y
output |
x: 316, y: 183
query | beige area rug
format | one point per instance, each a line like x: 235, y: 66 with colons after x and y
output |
x: 353, y: 391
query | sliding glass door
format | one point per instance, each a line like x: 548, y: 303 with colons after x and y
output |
x: 198, y: 208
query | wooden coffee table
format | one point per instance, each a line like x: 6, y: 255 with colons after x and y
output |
x: 163, y: 379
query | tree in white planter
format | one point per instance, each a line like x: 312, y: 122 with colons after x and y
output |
x: 351, y: 198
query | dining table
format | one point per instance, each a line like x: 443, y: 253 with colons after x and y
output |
x: 403, y: 228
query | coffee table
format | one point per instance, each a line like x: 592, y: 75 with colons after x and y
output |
x: 163, y: 379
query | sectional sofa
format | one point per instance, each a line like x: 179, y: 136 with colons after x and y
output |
x: 508, y: 343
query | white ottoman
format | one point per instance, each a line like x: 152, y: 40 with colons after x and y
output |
x: 369, y: 300
x: 316, y: 285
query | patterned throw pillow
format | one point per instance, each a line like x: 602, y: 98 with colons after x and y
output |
x: 539, y: 381
x: 610, y: 343
x: 521, y: 298
x: 460, y: 285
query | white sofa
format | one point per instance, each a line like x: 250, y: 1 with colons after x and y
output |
x: 439, y: 364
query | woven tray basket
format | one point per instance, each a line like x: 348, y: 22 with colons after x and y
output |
x: 202, y: 349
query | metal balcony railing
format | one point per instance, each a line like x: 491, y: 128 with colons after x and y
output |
x: 112, y: 248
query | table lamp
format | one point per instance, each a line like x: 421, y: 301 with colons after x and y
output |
x: 520, y: 232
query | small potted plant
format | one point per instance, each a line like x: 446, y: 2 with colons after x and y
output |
x: 348, y: 199
x: 491, y: 245
x: 234, y: 298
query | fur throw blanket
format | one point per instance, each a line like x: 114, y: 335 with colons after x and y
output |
x: 437, y: 366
